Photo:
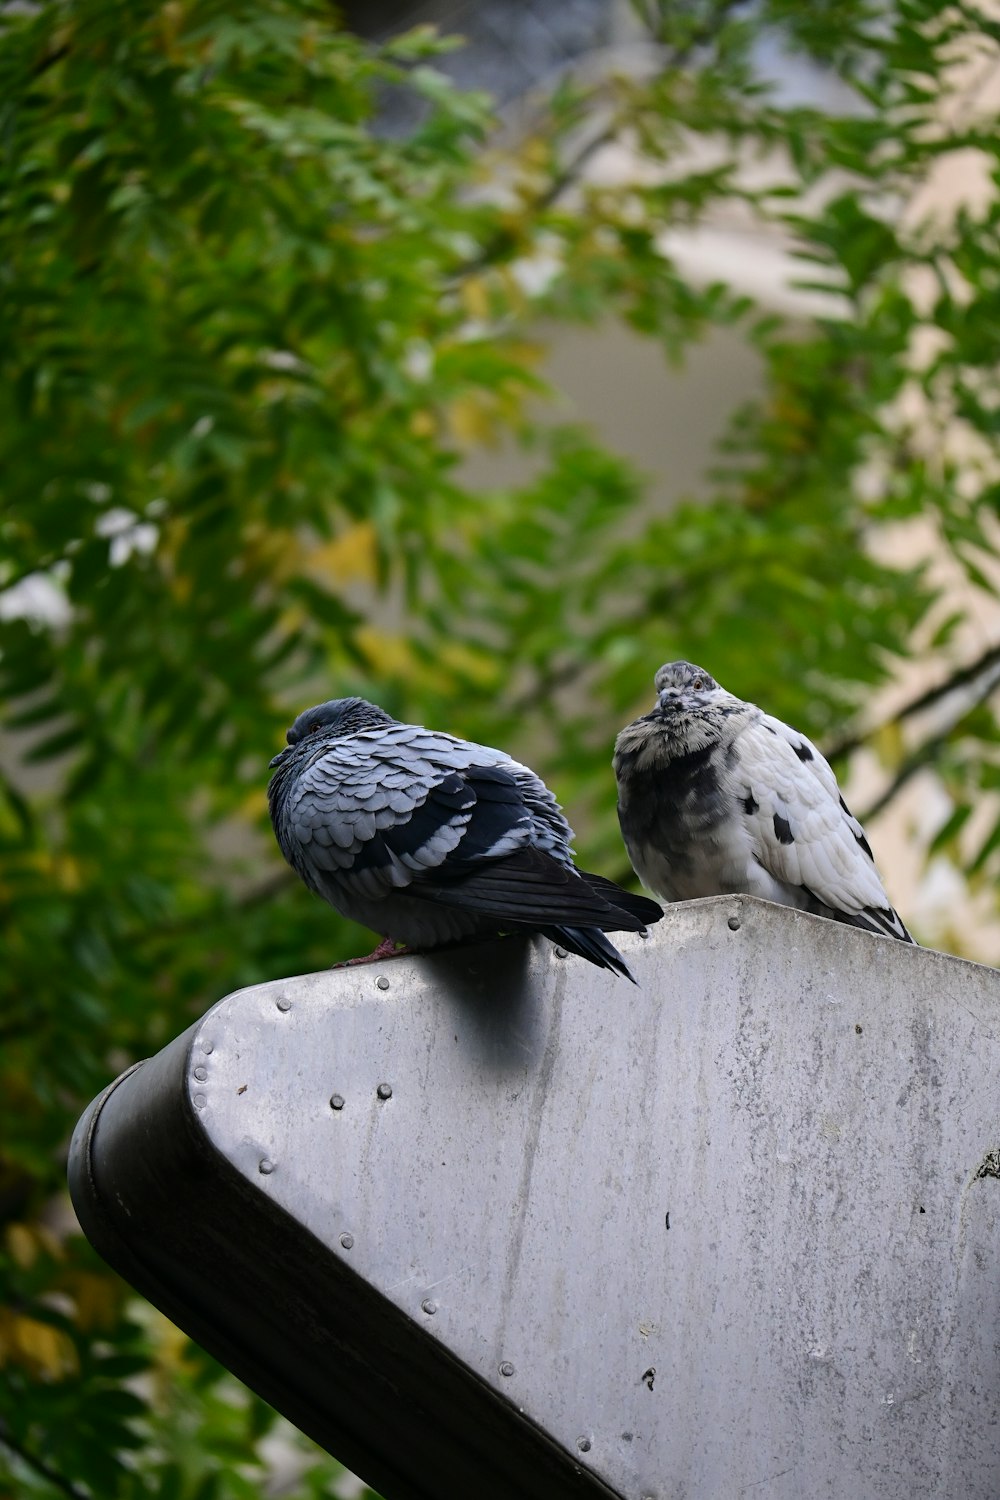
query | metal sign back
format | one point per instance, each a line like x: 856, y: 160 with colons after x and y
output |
x: 494, y: 1219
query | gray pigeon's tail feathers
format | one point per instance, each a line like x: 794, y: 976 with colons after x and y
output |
x: 531, y: 891
x: 529, y: 887
x: 590, y: 943
x: 644, y: 911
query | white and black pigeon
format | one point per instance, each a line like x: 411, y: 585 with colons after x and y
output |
x: 716, y: 797
x: 429, y: 839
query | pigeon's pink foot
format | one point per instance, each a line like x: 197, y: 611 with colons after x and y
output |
x: 387, y: 948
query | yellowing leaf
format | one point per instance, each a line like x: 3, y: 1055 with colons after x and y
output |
x: 888, y: 744
x: 536, y: 153
x: 476, y: 298
x: 471, y: 420
x: 171, y: 20
x: 172, y: 1345
x: 96, y: 1298
x: 514, y: 289
x: 477, y: 665
x: 422, y: 424
x: 22, y: 1245
x: 275, y: 551
x: 351, y: 555
x: 387, y: 653
x: 291, y: 619
x: 35, y: 1346
x: 525, y: 352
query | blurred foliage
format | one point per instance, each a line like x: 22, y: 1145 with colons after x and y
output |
x: 246, y: 339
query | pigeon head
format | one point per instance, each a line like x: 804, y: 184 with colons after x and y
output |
x: 333, y: 721
x: 680, y: 684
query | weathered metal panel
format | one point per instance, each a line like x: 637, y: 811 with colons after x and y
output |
x: 732, y: 1233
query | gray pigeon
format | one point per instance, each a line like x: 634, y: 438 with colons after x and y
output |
x: 429, y: 839
x: 715, y: 797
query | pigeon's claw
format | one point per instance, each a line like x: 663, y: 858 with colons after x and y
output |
x: 387, y: 948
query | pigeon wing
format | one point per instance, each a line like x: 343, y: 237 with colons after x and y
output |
x: 512, y: 861
x: 802, y: 831
x: 448, y: 821
x: 374, y: 811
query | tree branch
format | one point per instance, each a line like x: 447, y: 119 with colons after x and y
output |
x: 564, y: 179
x: 49, y: 60
x: 41, y: 1466
x: 926, y: 754
x: 958, y: 679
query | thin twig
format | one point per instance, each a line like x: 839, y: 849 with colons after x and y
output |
x: 49, y: 60
x: 40, y: 1466
x: 545, y: 200
x: 926, y: 754
x: 958, y: 679
x: 570, y: 173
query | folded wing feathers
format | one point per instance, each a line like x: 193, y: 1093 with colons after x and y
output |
x: 530, y: 887
x: 805, y: 833
x: 451, y: 823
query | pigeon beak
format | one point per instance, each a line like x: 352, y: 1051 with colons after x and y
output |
x: 278, y: 758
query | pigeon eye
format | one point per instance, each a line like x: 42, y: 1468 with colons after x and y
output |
x: 698, y: 684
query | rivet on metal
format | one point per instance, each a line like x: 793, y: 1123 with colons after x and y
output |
x: 200, y: 1101
x: 347, y: 1241
x: 381, y: 982
x: 561, y: 953
x: 584, y: 1445
x: 201, y: 1074
x: 384, y: 1091
x: 506, y: 1368
x: 336, y: 1101
x: 207, y: 1047
x: 429, y: 1306
x: 283, y: 1004
x: 734, y: 924
x: 265, y: 1167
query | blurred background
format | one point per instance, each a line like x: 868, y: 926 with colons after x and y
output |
x: 476, y: 358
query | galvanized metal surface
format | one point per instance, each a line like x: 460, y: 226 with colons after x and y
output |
x: 731, y: 1234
